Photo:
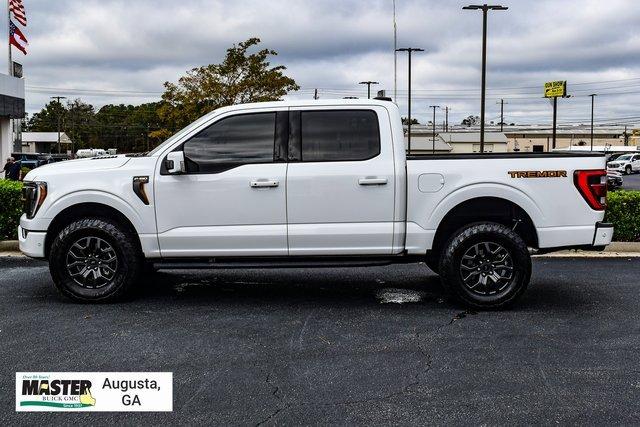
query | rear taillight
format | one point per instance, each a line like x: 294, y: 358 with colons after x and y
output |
x: 592, y: 185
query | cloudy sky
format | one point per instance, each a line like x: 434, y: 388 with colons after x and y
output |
x: 113, y: 51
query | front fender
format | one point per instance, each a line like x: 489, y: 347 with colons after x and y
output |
x: 43, y: 219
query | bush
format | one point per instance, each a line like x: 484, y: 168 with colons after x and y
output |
x: 623, y: 211
x: 10, y: 208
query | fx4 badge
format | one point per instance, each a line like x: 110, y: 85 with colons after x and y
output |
x: 538, y: 174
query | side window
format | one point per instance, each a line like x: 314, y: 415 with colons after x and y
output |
x: 339, y: 135
x: 230, y: 142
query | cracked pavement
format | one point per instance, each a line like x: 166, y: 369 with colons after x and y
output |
x: 316, y: 346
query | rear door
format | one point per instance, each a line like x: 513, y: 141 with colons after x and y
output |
x: 340, y: 181
x: 635, y: 163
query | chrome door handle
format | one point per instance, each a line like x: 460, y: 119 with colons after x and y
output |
x: 372, y: 181
x: 263, y: 183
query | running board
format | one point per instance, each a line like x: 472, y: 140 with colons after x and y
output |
x: 283, y: 262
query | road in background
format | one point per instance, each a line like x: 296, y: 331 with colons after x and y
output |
x: 631, y: 182
x: 316, y: 346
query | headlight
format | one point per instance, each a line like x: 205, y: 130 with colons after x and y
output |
x: 33, y: 195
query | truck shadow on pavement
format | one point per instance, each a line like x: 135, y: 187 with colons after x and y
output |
x: 344, y: 286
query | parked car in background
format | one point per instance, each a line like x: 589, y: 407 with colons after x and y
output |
x: 614, y: 180
x: 28, y: 160
x: 627, y: 164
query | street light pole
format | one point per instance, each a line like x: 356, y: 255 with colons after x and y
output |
x: 58, y: 98
x: 368, y: 83
x: 433, y: 141
x: 485, y: 9
x: 593, y: 96
x: 409, y: 50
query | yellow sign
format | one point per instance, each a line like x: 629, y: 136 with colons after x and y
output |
x: 553, y: 89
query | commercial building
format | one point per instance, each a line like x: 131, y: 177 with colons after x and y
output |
x: 11, y: 107
x: 45, y: 142
x: 525, y: 138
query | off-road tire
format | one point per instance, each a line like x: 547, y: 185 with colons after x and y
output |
x: 128, y: 255
x: 476, y: 235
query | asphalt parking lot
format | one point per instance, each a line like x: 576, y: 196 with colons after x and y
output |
x: 631, y: 182
x: 317, y: 346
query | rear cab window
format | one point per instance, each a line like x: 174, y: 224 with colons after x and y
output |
x: 335, y: 135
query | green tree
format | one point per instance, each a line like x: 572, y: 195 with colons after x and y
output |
x: 241, y: 77
x: 405, y: 121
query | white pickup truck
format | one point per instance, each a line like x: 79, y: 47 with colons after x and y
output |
x: 309, y: 183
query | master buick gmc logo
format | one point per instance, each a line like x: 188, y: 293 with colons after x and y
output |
x: 538, y: 174
x: 57, y: 393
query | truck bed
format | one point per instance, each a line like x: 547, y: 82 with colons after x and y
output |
x: 542, y: 184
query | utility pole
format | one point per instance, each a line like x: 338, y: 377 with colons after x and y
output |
x: 501, y: 113
x: 485, y: 8
x: 626, y: 136
x: 433, y: 141
x: 593, y: 96
x: 409, y: 50
x: 58, y: 98
x: 446, y: 119
x: 368, y: 83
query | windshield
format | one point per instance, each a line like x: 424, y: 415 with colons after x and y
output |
x: 625, y: 157
x: 180, y: 133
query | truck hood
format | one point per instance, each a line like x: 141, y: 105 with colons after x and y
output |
x: 78, y: 165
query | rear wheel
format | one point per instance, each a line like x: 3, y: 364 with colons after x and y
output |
x: 94, y: 260
x: 486, y: 265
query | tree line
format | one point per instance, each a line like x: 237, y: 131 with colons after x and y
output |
x: 245, y: 75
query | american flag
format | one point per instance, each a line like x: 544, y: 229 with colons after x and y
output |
x: 17, y: 8
x: 16, y: 38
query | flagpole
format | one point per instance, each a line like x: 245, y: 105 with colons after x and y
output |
x: 9, y: 37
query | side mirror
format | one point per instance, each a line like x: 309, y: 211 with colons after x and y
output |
x: 175, y: 163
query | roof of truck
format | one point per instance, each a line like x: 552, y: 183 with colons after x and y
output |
x: 308, y: 103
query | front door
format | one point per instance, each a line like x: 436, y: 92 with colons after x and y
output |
x: 340, y: 182
x: 232, y: 199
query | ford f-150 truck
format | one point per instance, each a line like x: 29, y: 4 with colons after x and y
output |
x: 309, y: 183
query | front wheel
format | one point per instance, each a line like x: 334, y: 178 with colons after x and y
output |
x: 486, y: 265
x: 627, y: 170
x: 94, y: 260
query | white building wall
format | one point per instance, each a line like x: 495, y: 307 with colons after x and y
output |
x: 6, y: 140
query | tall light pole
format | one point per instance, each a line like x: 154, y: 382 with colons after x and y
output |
x: 395, y: 55
x: 58, y: 98
x: 593, y: 96
x: 433, y: 141
x: 368, y: 83
x: 409, y: 50
x: 484, y: 8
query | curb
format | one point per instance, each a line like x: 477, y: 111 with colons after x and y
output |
x: 9, y: 246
